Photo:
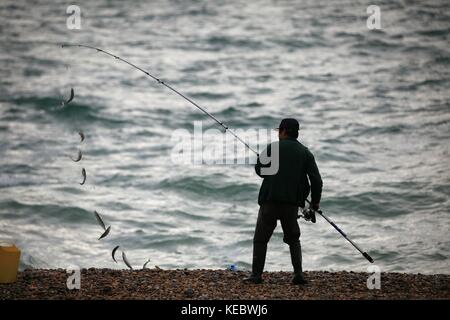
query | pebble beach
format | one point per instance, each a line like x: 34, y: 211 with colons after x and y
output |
x: 183, y: 284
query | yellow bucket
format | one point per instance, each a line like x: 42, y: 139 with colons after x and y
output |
x: 9, y: 262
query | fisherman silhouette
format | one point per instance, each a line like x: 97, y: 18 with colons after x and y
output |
x: 281, y: 195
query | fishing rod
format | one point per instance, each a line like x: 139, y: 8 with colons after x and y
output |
x: 308, y: 214
x: 167, y: 86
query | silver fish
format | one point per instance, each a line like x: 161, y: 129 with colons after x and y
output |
x: 145, y: 264
x: 99, y: 220
x: 105, y: 233
x: 124, y: 258
x: 113, y: 253
x: 80, y: 155
x: 81, y: 135
x: 83, y: 173
x: 72, y: 95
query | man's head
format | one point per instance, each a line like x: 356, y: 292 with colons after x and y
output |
x: 288, y: 129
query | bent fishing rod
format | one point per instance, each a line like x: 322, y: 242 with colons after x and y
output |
x: 167, y: 86
x: 309, y: 216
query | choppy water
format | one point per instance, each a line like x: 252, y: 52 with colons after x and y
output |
x: 373, y: 106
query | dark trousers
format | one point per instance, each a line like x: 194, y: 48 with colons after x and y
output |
x: 269, y: 214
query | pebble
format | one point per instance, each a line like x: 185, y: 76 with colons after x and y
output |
x: 189, y: 292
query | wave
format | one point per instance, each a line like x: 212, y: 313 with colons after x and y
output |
x: 219, y: 42
x: 196, y: 186
x: 434, y: 32
x: 161, y: 241
x: 292, y: 43
x: 47, y: 212
x: 186, y: 215
x: 263, y: 121
x: 230, y: 112
x: 341, y: 156
x: 376, y: 44
x: 15, y: 180
x: 309, y: 98
x: 350, y: 35
x: 210, y: 95
x: 73, y: 111
x: 252, y: 105
x: 445, y: 60
x: 27, y: 261
x: 425, y: 83
x: 172, y: 242
x: 381, y: 130
x: 377, y: 204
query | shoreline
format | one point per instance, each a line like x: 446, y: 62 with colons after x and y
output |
x: 207, y: 284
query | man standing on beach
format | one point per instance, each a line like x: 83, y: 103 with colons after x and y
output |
x: 281, y: 195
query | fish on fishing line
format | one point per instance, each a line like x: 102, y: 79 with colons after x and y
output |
x: 125, y: 260
x: 78, y: 158
x: 102, y: 224
x: 81, y: 134
x: 105, y: 233
x: 145, y: 264
x: 113, y: 253
x: 72, y: 95
x: 99, y: 220
x: 83, y: 174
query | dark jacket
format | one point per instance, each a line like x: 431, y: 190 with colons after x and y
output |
x: 290, y: 184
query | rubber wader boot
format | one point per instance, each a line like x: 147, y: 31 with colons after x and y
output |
x: 259, y: 259
x: 296, y: 258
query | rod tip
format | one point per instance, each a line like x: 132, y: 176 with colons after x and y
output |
x: 369, y: 258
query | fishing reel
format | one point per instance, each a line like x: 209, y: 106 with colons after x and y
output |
x: 308, y: 214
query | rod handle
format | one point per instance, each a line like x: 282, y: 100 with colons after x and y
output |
x: 369, y: 258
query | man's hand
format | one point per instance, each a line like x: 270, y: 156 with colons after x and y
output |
x: 315, y: 206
